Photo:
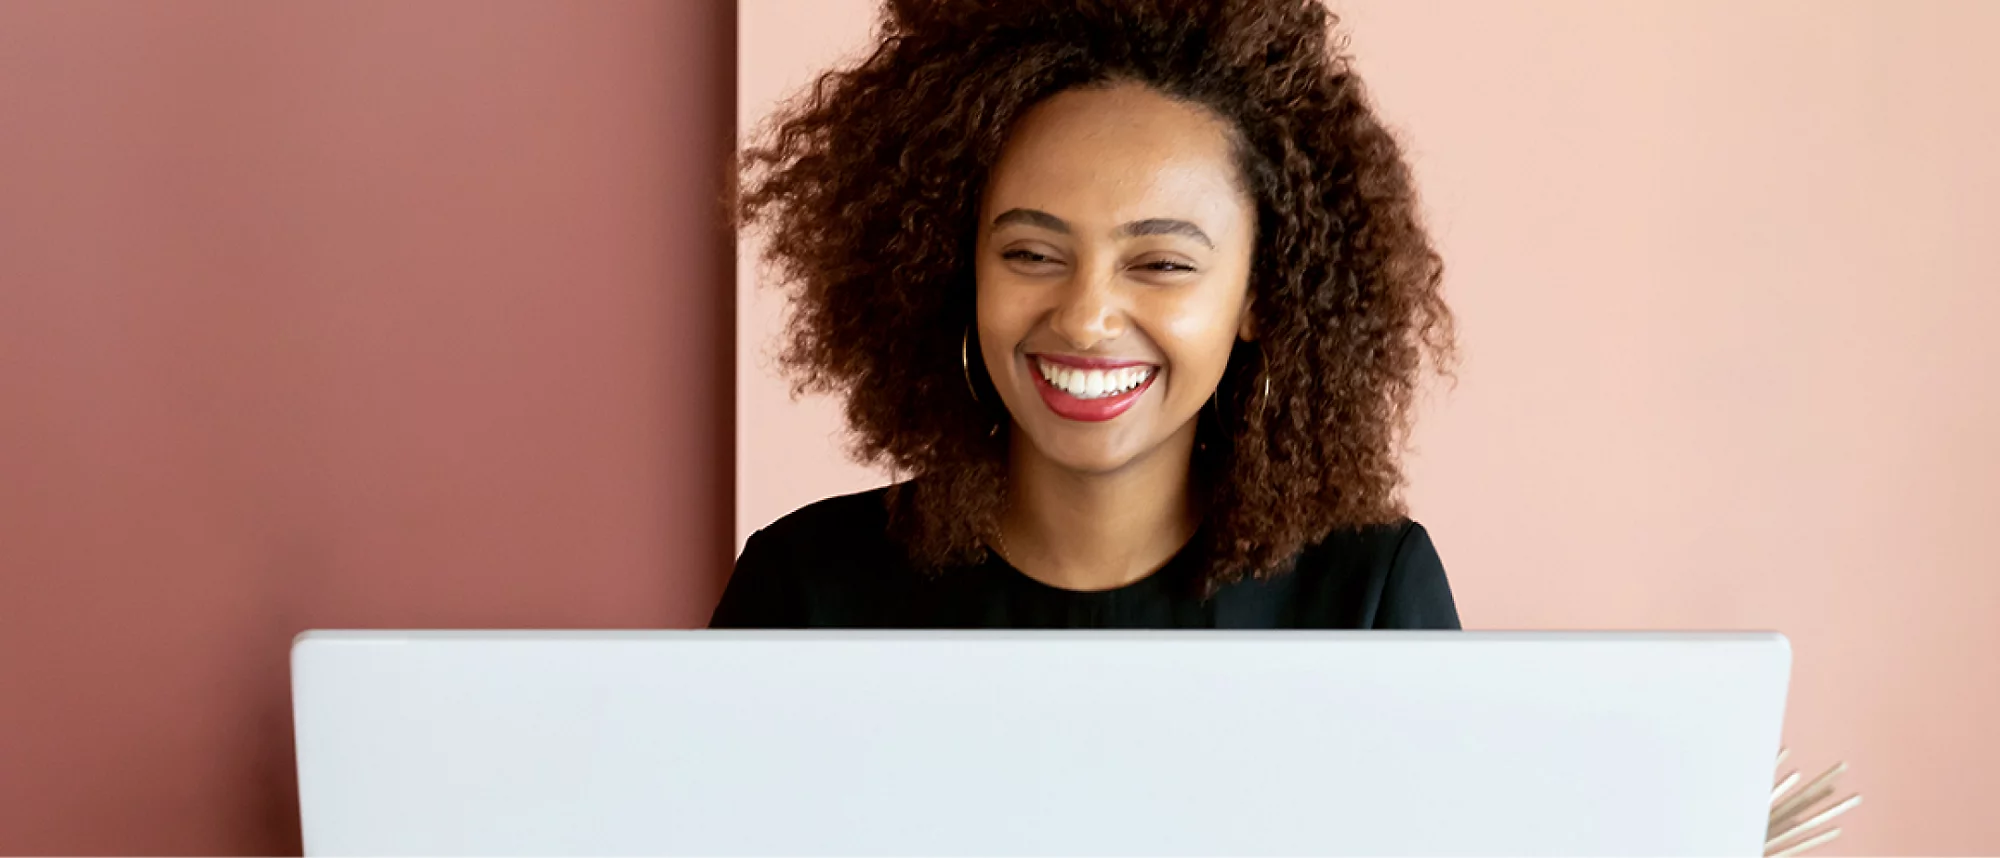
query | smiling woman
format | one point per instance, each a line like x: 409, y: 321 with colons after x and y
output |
x: 1136, y: 296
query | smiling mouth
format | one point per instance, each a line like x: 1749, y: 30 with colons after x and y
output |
x: 1089, y: 384
x: 1091, y: 391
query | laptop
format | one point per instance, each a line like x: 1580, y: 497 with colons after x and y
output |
x: 1036, y: 743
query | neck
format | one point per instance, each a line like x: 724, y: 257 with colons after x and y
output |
x: 1098, y: 531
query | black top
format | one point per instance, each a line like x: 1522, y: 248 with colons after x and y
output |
x: 834, y: 565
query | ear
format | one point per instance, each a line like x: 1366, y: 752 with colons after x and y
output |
x: 1246, y: 327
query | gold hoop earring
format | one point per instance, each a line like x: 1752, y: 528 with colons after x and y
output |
x: 1215, y: 407
x: 965, y: 363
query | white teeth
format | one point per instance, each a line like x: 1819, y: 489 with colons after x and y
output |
x: 1093, y: 384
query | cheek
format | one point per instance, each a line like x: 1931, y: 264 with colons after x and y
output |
x: 1197, y: 336
x: 1003, y: 310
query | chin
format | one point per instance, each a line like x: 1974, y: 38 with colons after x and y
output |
x: 1094, y: 465
x: 1086, y: 458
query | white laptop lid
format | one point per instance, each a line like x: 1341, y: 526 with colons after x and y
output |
x: 1069, y: 743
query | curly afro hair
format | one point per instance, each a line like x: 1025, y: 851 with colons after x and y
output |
x: 867, y: 185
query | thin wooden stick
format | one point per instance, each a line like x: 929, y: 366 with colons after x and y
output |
x: 1804, y: 845
x: 1818, y: 820
x: 1793, y: 804
x: 1778, y: 791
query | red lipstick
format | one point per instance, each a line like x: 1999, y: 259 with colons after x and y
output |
x: 1088, y: 362
x: 1097, y: 410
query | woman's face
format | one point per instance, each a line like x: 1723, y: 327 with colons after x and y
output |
x: 1113, y: 273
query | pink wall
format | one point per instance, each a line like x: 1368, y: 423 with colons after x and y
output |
x: 1727, y: 280
x: 335, y: 313
x: 789, y: 451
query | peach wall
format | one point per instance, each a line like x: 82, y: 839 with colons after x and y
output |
x: 1727, y: 278
x: 789, y: 451
x: 336, y: 313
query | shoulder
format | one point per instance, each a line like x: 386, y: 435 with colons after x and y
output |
x: 845, y: 520
x: 1391, y: 572
x: 1374, y: 548
x: 788, y: 567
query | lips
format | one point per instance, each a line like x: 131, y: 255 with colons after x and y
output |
x: 1090, y: 390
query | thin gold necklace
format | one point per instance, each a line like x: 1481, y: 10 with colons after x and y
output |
x: 1000, y: 545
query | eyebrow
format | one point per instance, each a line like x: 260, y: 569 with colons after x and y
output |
x: 1149, y: 226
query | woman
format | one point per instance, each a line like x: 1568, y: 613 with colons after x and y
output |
x: 1136, y: 296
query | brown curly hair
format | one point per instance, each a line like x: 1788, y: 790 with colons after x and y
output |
x: 867, y: 187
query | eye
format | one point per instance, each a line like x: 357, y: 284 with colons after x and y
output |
x: 1024, y: 256
x: 1166, y: 266
x: 1029, y: 262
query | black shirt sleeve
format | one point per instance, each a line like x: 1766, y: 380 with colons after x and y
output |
x: 1416, y: 594
x: 762, y: 592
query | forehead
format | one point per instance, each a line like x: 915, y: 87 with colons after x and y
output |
x: 1111, y: 155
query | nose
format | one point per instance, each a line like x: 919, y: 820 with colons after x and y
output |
x: 1088, y: 312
